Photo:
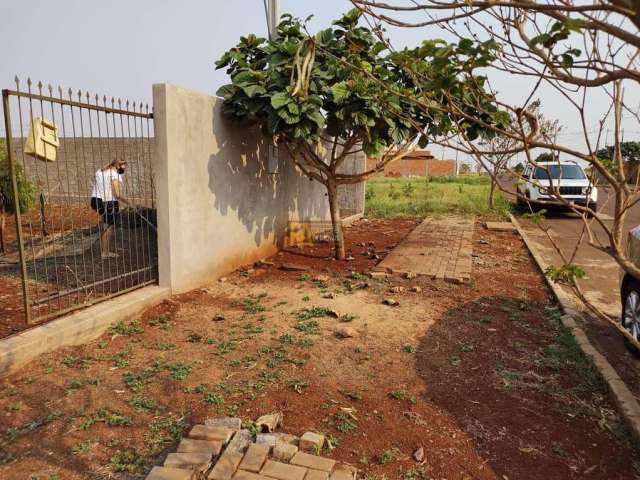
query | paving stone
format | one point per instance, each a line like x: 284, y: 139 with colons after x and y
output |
x: 286, y: 438
x: 240, y: 441
x: 189, y: 445
x: 500, y: 226
x: 284, y: 452
x: 283, y: 471
x: 266, y: 438
x: 311, y: 441
x: 187, y: 460
x: 254, y: 458
x: 225, y: 422
x: 313, y: 461
x: 378, y: 274
x: 165, y: 473
x: 203, y: 432
x: 344, y: 472
x: 226, y: 466
x: 316, y: 475
x: 244, y: 475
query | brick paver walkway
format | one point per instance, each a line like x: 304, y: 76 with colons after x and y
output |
x: 437, y: 248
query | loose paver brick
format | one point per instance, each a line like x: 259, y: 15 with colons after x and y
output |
x: 227, y: 422
x: 225, y: 467
x: 255, y: 457
x: 166, y: 473
x: 283, y: 471
x: 500, y: 226
x: 286, y: 438
x: 240, y: 441
x: 190, y: 461
x: 284, y: 452
x: 311, y: 441
x: 313, y: 461
x: 189, y: 445
x: 266, y: 438
x: 244, y: 475
x: 203, y: 432
x: 343, y: 472
x: 316, y: 475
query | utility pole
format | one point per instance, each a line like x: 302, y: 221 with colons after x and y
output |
x: 273, y: 18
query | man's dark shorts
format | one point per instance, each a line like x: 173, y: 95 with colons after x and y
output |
x: 108, y: 210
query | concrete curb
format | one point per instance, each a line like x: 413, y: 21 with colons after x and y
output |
x: 76, y: 328
x: 625, y: 400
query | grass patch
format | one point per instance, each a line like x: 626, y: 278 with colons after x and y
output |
x: 401, y: 197
x: 314, y: 312
x: 253, y: 304
x: 127, y: 329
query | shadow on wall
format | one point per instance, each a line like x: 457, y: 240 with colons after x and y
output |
x: 240, y: 182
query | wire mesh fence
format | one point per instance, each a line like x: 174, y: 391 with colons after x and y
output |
x: 80, y: 166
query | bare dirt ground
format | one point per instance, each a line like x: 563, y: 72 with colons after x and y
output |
x: 480, y: 375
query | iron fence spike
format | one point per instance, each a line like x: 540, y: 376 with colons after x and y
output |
x: 59, y: 90
x: 50, y: 88
x: 29, y: 81
x: 40, y: 84
x: 17, y: 80
x: 119, y: 104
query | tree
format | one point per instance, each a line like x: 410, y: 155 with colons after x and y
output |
x: 574, y: 48
x: 465, y: 169
x: 546, y: 157
x: 26, y: 192
x: 341, y: 91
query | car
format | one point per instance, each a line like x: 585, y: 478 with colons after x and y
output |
x: 566, y: 178
x: 630, y: 290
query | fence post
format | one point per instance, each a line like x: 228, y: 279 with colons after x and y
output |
x: 16, y: 200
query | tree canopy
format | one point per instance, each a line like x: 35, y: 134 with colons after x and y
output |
x: 343, y: 90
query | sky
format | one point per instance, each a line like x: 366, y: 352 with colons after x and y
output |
x: 122, y: 47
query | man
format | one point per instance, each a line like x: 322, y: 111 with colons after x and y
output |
x: 105, y: 200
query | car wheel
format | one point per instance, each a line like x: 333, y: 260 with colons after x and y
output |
x: 593, y: 206
x: 631, y: 312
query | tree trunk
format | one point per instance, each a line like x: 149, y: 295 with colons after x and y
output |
x: 491, y: 193
x: 336, y: 221
x: 2, y: 224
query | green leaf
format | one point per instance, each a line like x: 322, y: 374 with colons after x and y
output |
x: 340, y: 92
x: 316, y: 117
x: 253, y: 89
x: 280, y: 99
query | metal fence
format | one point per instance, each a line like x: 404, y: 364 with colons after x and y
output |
x: 72, y: 250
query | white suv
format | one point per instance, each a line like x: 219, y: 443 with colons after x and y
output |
x: 565, y: 178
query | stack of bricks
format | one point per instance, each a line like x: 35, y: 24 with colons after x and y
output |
x: 221, y: 450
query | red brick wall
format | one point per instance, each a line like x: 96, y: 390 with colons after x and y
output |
x: 417, y: 167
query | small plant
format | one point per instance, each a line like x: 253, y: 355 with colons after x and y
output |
x: 83, y: 447
x: 286, y: 339
x: 310, y: 327
x: 137, y: 380
x: 408, y: 348
x: 253, y: 304
x: 179, y: 370
x: 314, y: 312
x: 352, y: 394
x: 142, y: 404
x: 346, y: 318
x: 344, y: 422
x: 127, y: 329
x: 164, y: 321
x: 226, y: 347
x: 213, y: 399
x: 298, y: 384
x: 305, y: 342
x: 128, y: 461
x: 305, y: 277
x: 306, y: 298
x: 402, y: 395
x: 388, y: 456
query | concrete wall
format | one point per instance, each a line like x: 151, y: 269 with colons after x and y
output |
x: 218, y: 206
x: 351, y: 197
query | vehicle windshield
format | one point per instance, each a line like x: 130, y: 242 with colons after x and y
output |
x: 566, y: 172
